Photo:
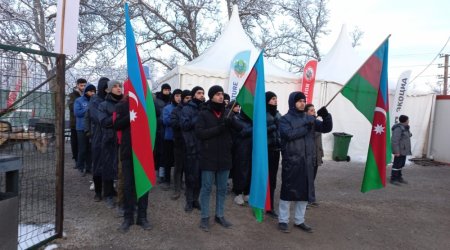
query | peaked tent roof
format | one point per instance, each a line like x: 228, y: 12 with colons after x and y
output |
x: 216, y: 60
x: 341, y: 62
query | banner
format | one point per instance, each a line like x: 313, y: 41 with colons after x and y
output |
x: 67, y: 27
x: 400, y: 95
x: 309, y: 78
x: 20, y: 87
x: 238, y: 70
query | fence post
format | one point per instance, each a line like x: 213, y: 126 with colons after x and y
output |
x: 60, y: 124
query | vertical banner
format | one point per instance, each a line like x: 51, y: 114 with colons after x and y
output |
x: 400, y: 95
x: 67, y: 27
x: 20, y: 88
x: 309, y: 78
x: 238, y: 70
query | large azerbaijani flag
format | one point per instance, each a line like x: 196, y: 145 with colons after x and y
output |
x: 142, y: 116
x: 368, y: 91
x: 252, y: 99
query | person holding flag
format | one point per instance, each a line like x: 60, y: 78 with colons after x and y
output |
x: 298, y: 152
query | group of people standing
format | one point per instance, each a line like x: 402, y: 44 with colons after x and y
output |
x: 205, y: 142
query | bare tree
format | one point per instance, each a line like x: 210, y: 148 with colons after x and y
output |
x: 356, y: 35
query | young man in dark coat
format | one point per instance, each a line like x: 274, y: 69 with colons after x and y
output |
x: 178, y: 142
x: 212, y: 130
x: 299, y: 153
x: 189, y: 115
x: 274, y: 145
x: 109, y: 157
x: 401, y: 147
x: 161, y: 100
x: 77, y: 92
x: 95, y: 132
x: 122, y: 124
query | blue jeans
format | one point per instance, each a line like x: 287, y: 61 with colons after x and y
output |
x: 299, y: 208
x: 208, y: 177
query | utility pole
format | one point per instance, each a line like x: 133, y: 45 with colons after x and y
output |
x: 445, y: 76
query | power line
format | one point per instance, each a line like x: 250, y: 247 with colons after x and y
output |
x: 432, y: 61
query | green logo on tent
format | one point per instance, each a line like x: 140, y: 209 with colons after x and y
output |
x: 240, y: 67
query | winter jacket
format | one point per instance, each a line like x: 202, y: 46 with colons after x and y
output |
x: 214, y: 140
x: 273, y: 134
x: 122, y: 123
x: 158, y: 152
x: 72, y: 97
x: 319, y: 148
x: 400, y: 140
x: 167, y: 111
x: 299, y: 152
x: 80, y: 108
x: 242, y: 152
x: 175, y: 118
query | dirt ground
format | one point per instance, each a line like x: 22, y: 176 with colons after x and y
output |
x: 411, y: 216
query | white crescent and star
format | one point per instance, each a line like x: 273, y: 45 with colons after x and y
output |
x: 379, y: 129
x: 133, y: 114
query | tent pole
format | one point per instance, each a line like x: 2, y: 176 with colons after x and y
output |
x: 430, y: 130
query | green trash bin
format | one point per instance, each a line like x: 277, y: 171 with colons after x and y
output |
x: 341, y: 144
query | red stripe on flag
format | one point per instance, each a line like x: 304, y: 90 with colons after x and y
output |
x: 250, y: 82
x: 371, y: 71
x: 378, y: 137
x: 268, y: 206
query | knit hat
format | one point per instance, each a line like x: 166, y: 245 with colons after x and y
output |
x: 89, y: 87
x: 102, y: 85
x: 226, y: 97
x: 269, y: 95
x: 195, y: 89
x: 111, y: 84
x: 185, y: 93
x: 214, y: 90
x: 403, y: 118
x: 177, y: 92
x: 165, y: 86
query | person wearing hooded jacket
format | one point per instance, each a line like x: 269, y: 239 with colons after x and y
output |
x: 298, y: 155
x: 274, y: 145
x: 401, y: 147
x: 168, y: 137
x: 161, y: 99
x: 80, y: 108
x: 188, y: 120
x: 77, y: 92
x: 178, y: 143
x: 109, y: 154
x: 92, y: 124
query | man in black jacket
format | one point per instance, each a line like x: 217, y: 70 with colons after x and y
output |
x: 215, y: 155
x: 161, y: 100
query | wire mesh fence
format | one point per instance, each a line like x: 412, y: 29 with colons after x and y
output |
x: 28, y: 129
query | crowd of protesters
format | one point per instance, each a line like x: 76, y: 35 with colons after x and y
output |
x: 198, y: 144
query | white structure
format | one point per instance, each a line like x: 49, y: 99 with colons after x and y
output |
x: 213, y: 66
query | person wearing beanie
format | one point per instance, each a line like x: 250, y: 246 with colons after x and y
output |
x: 214, y: 137
x: 168, y: 137
x: 76, y: 92
x: 298, y: 142
x: 188, y: 120
x: 178, y: 143
x: 161, y: 99
x: 401, y: 147
x: 109, y: 154
x: 80, y: 108
x: 226, y: 99
x: 274, y: 145
x: 93, y: 128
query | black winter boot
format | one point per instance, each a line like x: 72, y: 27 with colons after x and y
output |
x: 126, y: 224
x: 143, y: 222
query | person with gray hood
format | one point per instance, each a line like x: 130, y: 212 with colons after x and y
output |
x: 401, y: 147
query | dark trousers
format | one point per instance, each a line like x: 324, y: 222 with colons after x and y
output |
x: 74, y: 143
x: 178, y: 151
x: 192, y: 194
x: 97, y: 185
x: 316, y: 167
x: 108, y: 188
x: 84, y: 160
x: 130, y: 194
x: 274, y: 160
x: 399, y: 163
x: 168, y: 159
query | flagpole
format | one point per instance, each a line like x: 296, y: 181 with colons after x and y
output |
x: 61, y: 44
x: 356, y: 72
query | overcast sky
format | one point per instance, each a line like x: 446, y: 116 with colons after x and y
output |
x: 419, y: 30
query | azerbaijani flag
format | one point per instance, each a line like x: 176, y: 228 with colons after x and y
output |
x: 142, y: 116
x: 252, y: 98
x: 368, y: 91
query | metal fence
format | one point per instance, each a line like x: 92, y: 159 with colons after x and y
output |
x: 32, y: 127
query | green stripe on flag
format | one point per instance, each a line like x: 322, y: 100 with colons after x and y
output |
x: 362, y: 94
x: 259, y: 214
x: 371, y: 178
x: 245, y: 99
x: 142, y: 182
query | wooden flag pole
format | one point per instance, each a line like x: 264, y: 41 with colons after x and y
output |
x: 61, y: 45
x: 356, y: 72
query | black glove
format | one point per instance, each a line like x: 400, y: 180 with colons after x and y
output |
x: 323, y: 112
x: 309, y: 125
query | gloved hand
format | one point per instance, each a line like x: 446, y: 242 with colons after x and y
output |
x: 309, y: 125
x: 323, y: 112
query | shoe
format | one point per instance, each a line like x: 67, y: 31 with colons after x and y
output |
x: 97, y: 197
x: 175, y: 195
x: 272, y: 214
x: 188, y: 207
x: 120, y: 211
x: 92, y: 187
x: 283, y: 227
x: 239, y: 200
x: 402, y: 181
x: 110, y: 202
x: 82, y: 173
x: 394, y: 182
x: 224, y: 223
x: 143, y: 222
x: 165, y: 186
x: 204, y: 224
x: 246, y: 198
x: 313, y: 204
x: 196, y: 205
x: 126, y: 224
x: 304, y: 227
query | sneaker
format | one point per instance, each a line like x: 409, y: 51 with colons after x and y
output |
x: 92, y: 187
x: 224, y: 223
x: 304, y: 227
x: 394, y: 182
x: 402, y: 181
x: 175, y: 195
x: 143, y: 222
x: 313, y: 204
x: 204, y: 224
x: 246, y: 198
x: 283, y: 227
x: 239, y: 200
x: 126, y: 224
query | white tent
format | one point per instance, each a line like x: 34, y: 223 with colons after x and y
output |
x: 213, y: 66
